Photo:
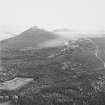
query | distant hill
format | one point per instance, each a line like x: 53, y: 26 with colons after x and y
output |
x: 30, y: 38
x: 68, y: 33
x: 76, y: 34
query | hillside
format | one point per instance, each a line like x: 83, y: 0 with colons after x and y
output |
x: 61, y: 75
x: 73, y: 76
x: 30, y: 38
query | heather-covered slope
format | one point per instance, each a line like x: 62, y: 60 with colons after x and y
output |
x: 60, y: 77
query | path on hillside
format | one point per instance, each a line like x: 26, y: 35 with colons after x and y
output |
x: 96, y: 51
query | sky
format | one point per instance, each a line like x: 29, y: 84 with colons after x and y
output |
x: 84, y: 15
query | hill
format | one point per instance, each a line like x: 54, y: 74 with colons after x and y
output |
x: 30, y: 38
